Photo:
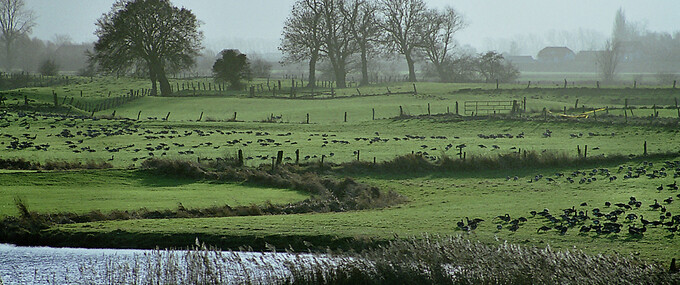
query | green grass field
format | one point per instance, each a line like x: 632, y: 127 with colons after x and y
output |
x: 436, y: 201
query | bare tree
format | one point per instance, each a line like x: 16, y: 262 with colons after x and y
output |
x: 402, y: 26
x: 608, y: 59
x: 437, y: 33
x: 15, y: 21
x: 302, y: 35
x: 366, y: 32
x: 338, y: 18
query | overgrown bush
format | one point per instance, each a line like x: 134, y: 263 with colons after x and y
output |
x: 48, y: 68
x: 23, y: 164
x: 411, y: 163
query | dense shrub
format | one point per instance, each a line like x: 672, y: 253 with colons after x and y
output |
x: 23, y: 164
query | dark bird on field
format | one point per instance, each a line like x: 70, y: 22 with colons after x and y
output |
x: 584, y: 204
x: 656, y: 205
x: 644, y: 222
x: 660, y: 187
x: 543, y: 228
x: 499, y: 227
x: 505, y: 218
x: 607, y: 204
x: 585, y: 229
x: 669, y: 200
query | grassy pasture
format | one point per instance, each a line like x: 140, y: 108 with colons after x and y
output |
x: 128, y: 143
x: 436, y: 201
x: 107, y: 190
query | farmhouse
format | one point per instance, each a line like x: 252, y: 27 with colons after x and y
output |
x: 556, y: 55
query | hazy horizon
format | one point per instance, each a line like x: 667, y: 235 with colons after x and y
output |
x: 255, y: 26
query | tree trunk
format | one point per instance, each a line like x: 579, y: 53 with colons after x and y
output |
x: 364, y: 66
x: 159, y: 73
x: 163, y: 81
x: 8, y: 49
x: 340, y: 75
x: 411, y: 67
x: 312, y: 69
x: 441, y: 72
x: 152, y: 75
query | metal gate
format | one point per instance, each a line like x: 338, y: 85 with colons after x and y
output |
x: 489, y: 107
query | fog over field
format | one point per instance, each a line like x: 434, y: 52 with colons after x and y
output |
x: 255, y: 26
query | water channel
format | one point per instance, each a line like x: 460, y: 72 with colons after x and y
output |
x: 46, y: 265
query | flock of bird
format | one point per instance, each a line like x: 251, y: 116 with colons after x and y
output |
x: 609, y: 217
x: 77, y: 135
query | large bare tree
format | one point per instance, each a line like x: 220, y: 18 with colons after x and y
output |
x: 149, y: 33
x: 402, y: 23
x: 437, y: 33
x: 15, y: 21
x: 339, y: 16
x: 303, y: 35
x: 608, y: 59
x: 366, y: 32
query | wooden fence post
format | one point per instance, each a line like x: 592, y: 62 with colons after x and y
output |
x: 676, y: 107
x: 625, y: 110
x: 428, y: 109
x: 529, y: 84
x: 576, y: 105
x: 307, y: 118
x: 645, y: 149
x: 374, y: 111
x: 240, y: 157
x: 401, y: 111
x: 545, y: 113
x: 167, y: 116
x: 497, y: 83
x: 565, y: 83
x: 234, y: 116
x: 139, y: 114
x: 279, y: 157
x: 598, y: 84
x: 345, y: 117
x: 358, y: 153
x: 201, y: 117
x: 415, y: 91
x: 297, y: 156
x: 457, y: 108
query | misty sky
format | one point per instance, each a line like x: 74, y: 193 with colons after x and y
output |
x: 255, y: 25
